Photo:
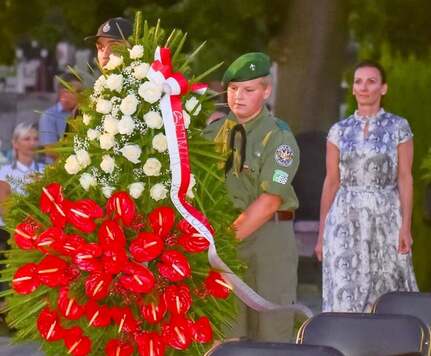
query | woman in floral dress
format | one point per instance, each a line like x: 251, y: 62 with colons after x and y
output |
x: 365, y: 223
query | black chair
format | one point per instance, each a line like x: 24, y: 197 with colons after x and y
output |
x: 249, y: 348
x: 409, y: 303
x: 363, y: 334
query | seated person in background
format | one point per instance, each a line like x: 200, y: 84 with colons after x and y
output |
x: 53, y: 122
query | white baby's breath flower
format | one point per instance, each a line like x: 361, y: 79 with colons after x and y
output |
x: 126, y: 125
x: 103, y: 106
x: 190, y: 194
x: 92, y: 134
x: 107, y: 141
x: 160, y: 143
x: 153, y: 120
x: 193, y: 106
x: 152, y: 167
x: 114, y: 61
x: 114, y: 82
x: 136, y: 52
x: 83, y: 158
x: 107, y: 191
x: 131, y: 153
x: 86, y: 119
x: 158, y: 192
x: 110, y: 124
x: 140, y: 71
x: 186, y: 118
x: 108, y: 164
x: 129, y: 104
x: 99, y: 84
x: 72, y: 165
x: 136, y: 189
x: 87, y: 180
x: 150, y: 92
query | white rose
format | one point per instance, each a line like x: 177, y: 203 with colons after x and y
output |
x: 106, y: 141
x: 136, y: 52
x: 140, y: 71
x: 114, y: 82
x: 150, y: 92
x: 103, y: 106
x: 114, y: 62
x: 152, y: 167
x: 136, y: 189
x: 160, y: 143
x: 99, y: 84
x: 92, y: 134
x: 132, y: 153
x: 193, y: 106
x: 158, y: 192
x: 107, y: 191
x: 83, y: 158
x: 108, y: 164
x: 126, y: 125
x: 72, y: 165
x: 190, y: 194
x: 87, y: 180
x: 186, y: 118
x: 86, y: 119
x: 110, y: 124
x: 129, y: 104
x: 153, y: 120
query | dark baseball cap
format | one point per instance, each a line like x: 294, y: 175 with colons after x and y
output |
x: 117, y: 28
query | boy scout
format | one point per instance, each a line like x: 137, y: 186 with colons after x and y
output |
x: 263, y: 159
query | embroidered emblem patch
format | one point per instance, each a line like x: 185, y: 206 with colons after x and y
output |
x: 252, y: 67
x: 106, y: 27
x: 280, y: 176
x: 284, y: 155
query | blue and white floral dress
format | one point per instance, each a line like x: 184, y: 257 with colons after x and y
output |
x: 361, y: 234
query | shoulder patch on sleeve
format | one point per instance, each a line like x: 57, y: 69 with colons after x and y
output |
x: 282, y: 125
x: 280, y: 176
x: 284, y: 155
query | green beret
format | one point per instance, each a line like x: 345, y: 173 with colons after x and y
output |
x: 247, y: 67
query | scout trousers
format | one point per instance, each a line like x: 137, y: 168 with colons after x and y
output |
x: 272, y: 259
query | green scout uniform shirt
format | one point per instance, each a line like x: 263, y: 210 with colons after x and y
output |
x: 271, y: 161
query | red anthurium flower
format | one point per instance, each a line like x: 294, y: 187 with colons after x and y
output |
x: 69, y: 245
x: 97, y: 285
x: 68, y: 307
x: 193, y: 244
x: 26, y: 233
x: 122, y: 206
x: 202, y: 331
x: 111, y: 234
x: 114, y: 259
x: 25, y: 280
x: 150, y: 344
x: 137, y: 278
x: 48, y: 324
x: 174, y: 266
x: 178, y: 299
x: 216, y: 285
x: 146, y: 247
x: 154, y: 313
x: 177, y: 333
x: 188, y: 229
x: 86, y: 257
x: 97, y: 315
x: 76, y: 342
x: 52, y: 203
x: 53, y: 271
x: 82, y: 213
x: 162, y: 220
x: 123, y: 317
x: 115, y: 347
x: 47, y: 239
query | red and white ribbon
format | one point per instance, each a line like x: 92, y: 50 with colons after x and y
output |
x: 175, y: 85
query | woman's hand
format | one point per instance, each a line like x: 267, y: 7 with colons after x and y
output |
x: 318, y: 248
x: 406, y: 241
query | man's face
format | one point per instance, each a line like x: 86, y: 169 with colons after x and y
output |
x: 104, y: 49
x: 246, y: 99
x: 69, y: 99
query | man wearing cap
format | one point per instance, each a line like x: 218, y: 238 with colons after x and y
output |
x: 263, y: 157
x: 113, y: 32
